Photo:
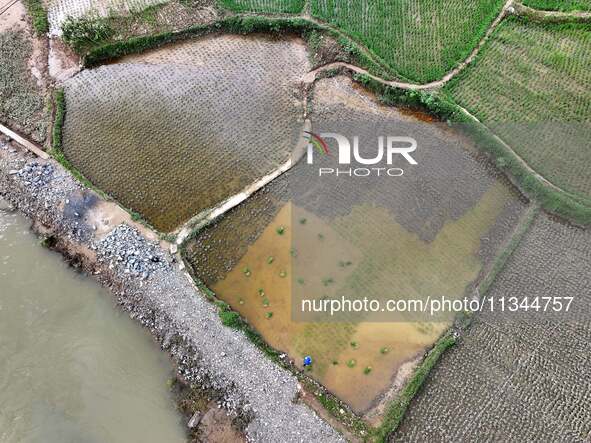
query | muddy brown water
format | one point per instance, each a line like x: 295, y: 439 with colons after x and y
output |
x: 73, y: 367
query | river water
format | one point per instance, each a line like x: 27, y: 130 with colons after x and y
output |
x: 73, y: 368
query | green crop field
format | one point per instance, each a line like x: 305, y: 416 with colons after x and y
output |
x: 420, y: 40
x: 530, y: 86
x: 291, y: 6
x: 559, y: 5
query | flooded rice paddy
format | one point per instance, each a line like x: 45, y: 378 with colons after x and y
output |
x: 72, y: 366
x: 174, y: 132
x: 432, y: 232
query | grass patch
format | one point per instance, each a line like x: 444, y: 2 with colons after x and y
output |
x: 38, y: 13
x: 84, y: 32
x: 398, y: 407
x: 56, y: 143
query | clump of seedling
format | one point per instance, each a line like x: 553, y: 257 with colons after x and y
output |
x: 327, y: 281
x: 261, y: 292
x: 283, y: 273
x: 354, y: 345
x: 281, y: 230
x: 344, y: 264
x: 293, y: 252
x: 300, y: 280
x: 270, y: 259
x: 303, y: 221
x: 266, y: 302
x: 367, y: 370
x: 320, y: 236
x: 384, y: 350
x: 351, y: 363
x: 268, y: 315
x: 334, y: 362
x: 247, y: 272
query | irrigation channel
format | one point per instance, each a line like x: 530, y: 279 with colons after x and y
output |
x: 72, y: 366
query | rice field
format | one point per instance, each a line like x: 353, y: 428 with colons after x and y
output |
x: 303, y: 236
x: 419, y: 40
x: 519, y: 377
x: 530, y: 86
x: 269, y: 6
x: 174, y: 132
x: 559, y: 5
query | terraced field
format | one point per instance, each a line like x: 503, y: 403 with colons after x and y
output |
x: 530, y: 85
x: 519, y: 377
x: 559, y: 5
x: 172, y: 133
x: 304, y: 236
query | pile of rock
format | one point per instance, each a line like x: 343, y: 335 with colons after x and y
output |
x: 126, y: 250
x: 35, y: 174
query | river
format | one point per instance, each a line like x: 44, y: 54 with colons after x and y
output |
x: 73, y: 367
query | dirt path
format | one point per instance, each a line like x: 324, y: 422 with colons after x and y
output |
x: 552, y: 16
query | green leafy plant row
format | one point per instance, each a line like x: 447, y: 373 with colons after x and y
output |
x: 38, y: 13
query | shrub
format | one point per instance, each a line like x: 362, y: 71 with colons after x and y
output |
x: 81, y: 33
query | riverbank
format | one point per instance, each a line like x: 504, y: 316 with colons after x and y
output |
x: 150, y: 283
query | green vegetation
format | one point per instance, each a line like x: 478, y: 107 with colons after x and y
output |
x: 86, y: 31
x: 38, y: 13
x: 286, y: 6
x: 529, y: 86
x: 58, y: 122
x: 420, y: 40
x: 397, y: 408
x: 56, y: 143
x: 559, y: 5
